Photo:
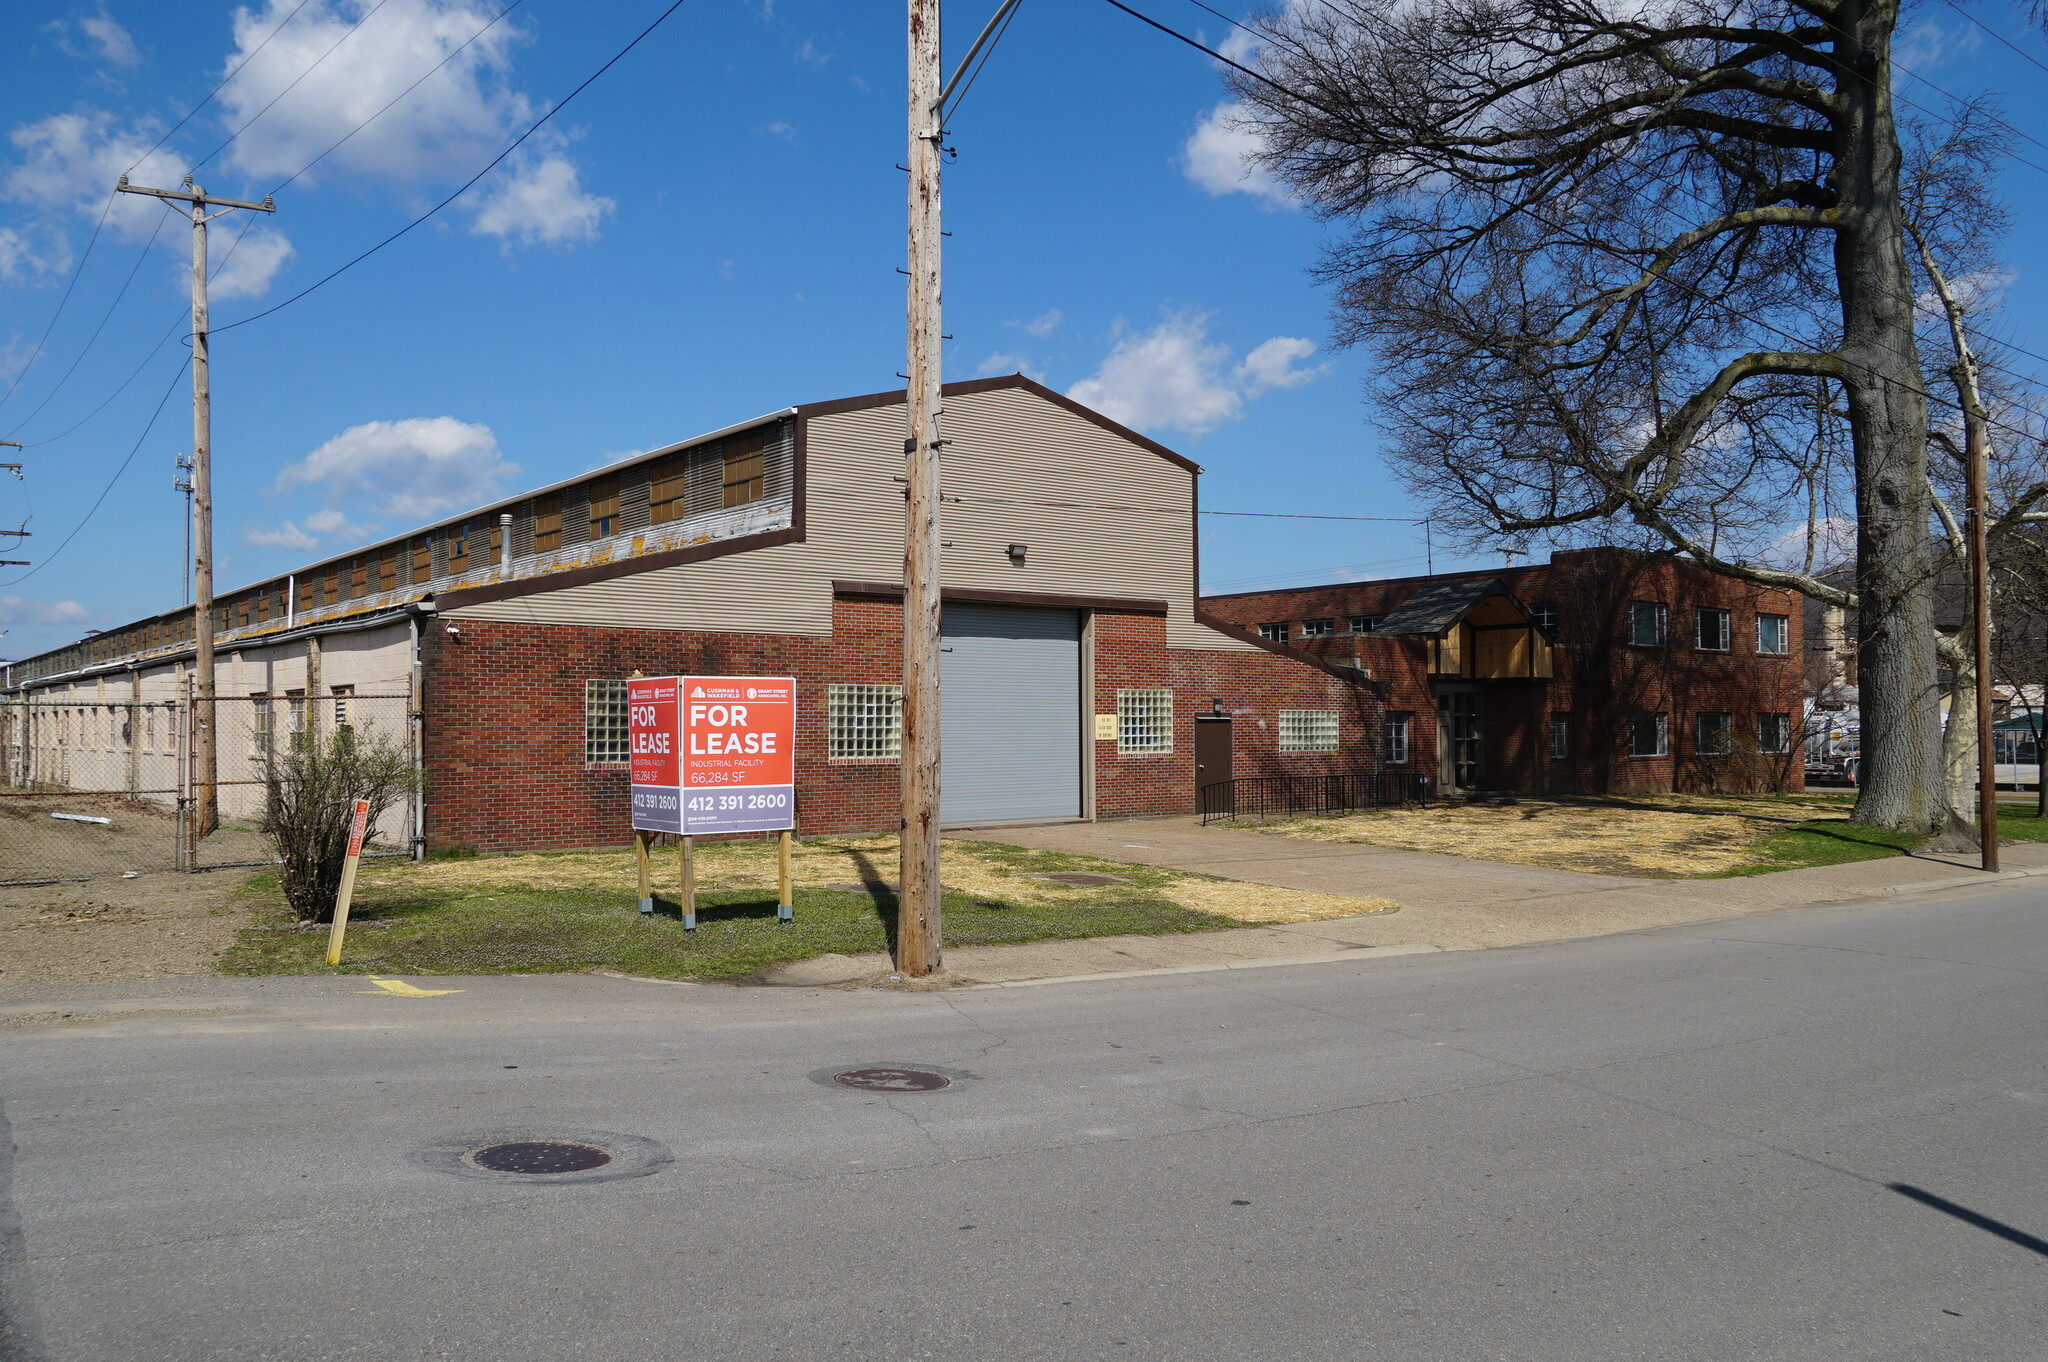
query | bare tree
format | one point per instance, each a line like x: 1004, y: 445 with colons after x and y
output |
x: 1612, y: 257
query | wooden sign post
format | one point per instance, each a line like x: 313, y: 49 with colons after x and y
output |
x: 356, y: 828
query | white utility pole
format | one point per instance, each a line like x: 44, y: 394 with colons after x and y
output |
x: 918, y: 929
x: 205, y: 753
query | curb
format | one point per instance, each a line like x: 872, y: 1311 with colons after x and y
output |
x: 1319, y: 958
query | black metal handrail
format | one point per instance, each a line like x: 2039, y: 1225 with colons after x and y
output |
x: 1270, y: 796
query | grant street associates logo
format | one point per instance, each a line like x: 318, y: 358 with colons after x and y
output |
x: 717, y: 753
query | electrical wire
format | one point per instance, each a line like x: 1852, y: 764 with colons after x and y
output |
x: 222, y: 86
x: 946, y: 114
x: 488, y: 168
x: 313, y: 66
x: 104, y: 491
x: 1996, y: 34
x: 1726, y: 307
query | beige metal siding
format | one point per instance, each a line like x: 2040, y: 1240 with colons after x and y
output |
x: 1100, y: 516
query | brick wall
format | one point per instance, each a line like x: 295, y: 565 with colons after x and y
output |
x: 1601, y: 680
x: 504, y: 726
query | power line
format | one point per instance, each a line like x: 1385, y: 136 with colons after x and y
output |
x: 223, y: 84
x: 313, y: 66
x: 1726, y: 307
x: 1996, y: 34
x: 104, y: 491
x: 488, y: 168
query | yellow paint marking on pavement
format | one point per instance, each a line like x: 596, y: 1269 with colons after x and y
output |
x: 398, y: 988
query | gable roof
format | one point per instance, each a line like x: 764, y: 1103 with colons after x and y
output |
x: 1431, y: 611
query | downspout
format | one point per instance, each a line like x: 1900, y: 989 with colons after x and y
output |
x: 291, y: 600
x: 416, y: 727
x: 505, y: 545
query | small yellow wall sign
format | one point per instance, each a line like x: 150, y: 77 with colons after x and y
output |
x: 1105, y: 728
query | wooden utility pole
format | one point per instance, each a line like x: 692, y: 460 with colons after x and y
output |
x: 918, y: 929
x: 205, y: 749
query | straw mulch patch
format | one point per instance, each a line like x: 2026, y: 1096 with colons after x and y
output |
x: 1658, y: 836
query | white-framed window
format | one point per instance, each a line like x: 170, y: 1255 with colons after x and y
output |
x: 1710, y: 630
x: 1144, y: 721
x: 864, y: 723
x: 1714, y: 734
x: 1273, y: 633
x: 259, y: 725
x: 1365, y: 624
x: 604, y: 723
x: 1648, y: 735
x: 1545, y: 615
x: 1774, y: 634
x: 1646, y: 624
x: 1308, y: 730
x: 1318, y: 628
x: 1773, y: 733
x: 1560, y: 737
x: 342, y: 696
x: 1397, y: 738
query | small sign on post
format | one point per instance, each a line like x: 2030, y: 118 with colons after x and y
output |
x: 712, y: 754
x: 356, y: 828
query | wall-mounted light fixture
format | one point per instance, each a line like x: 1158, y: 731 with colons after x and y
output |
x: 1017, y: 553
x: 454, y: 631
x: 1216, y: 708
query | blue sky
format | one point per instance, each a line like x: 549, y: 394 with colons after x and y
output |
x: 711, y: 231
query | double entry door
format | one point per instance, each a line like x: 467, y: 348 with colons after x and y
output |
x: 1459, y: 738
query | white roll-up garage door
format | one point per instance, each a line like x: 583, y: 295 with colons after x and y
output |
x: 1011, y: 714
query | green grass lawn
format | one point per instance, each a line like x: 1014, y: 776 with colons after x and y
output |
x: 1836, y: 841
x: 577, y: 911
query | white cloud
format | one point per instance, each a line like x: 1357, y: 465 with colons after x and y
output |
x: 1174, y: 378
x: 21, y: 256
x: 284, y: 535
x: 1008, y: 363
x: 1218, y: 157
x: 1271, y: 365
x: 1045, y: 323
x: 106, y: 40
x: 1834, y: 545
x: 780, y: 128
x: 255, y: 261
x: 411, y: 469
x: 1929, y: 44
x: 457, y: 118
x: 540, y: 202
x: 70, y: 161
x: 20, y: 610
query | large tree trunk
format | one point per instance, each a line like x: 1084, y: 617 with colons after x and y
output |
x: 1899, y: 784
x: 1959, y: 739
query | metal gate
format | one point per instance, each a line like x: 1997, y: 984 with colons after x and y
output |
x: 92, y: 787
x: 1010, y: 729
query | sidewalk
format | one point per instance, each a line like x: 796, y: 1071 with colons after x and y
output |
x: 1447, y: 903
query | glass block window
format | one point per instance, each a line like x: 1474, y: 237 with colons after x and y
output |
x: 1144, y: 721
x: 1308, y: 730
x: 1318, y: 628
x: 1647, y: 735
x: 1397, y: 738
x: 1716, y: 734
x: 1646, y: 624
x: 1774, y: 634
x: 1773, y: 733
x: 604, y: 722
x: 1273, y: 633
x: 1710, y: 630
x: 864, y: 723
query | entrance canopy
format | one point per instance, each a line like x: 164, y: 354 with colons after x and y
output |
x: 1472, y: 629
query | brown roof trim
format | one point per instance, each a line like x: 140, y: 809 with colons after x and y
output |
x: 1116, y: 605
x: 986, y: 385
x: 1237, y: 631
x: 619, y: 567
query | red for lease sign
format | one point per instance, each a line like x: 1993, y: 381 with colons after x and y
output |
x: 713, y: 753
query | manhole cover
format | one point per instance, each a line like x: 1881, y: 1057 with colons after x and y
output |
x: 539, y: 1157
x: 892, y: 1080
x: 1082, y: 877
x: 555, y: 1157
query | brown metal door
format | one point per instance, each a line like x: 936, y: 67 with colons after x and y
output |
x: 1212, y: 753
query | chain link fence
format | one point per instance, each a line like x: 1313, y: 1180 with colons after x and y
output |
x: 93, y: 788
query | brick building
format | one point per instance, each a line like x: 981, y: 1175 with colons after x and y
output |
x: 1602, y: 671
x: 1080, y: 678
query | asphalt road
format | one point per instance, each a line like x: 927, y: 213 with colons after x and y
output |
x: 1816, y: 1134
